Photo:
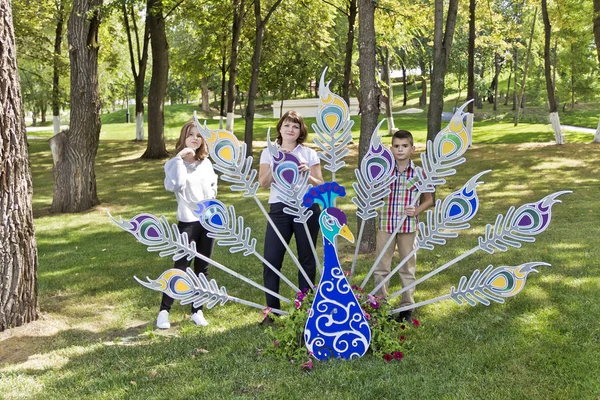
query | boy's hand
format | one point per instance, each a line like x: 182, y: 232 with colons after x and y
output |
x: 410, y: 211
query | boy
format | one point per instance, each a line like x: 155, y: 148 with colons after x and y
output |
x: 398, y: 204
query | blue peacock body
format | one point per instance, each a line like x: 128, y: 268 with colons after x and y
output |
x: 336, y: 325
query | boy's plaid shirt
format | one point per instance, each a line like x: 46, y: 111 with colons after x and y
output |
x: 403, y: 192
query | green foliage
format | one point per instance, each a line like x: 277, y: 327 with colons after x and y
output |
x: 388, y: 336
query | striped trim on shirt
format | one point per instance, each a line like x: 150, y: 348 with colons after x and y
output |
x: 402, y: 193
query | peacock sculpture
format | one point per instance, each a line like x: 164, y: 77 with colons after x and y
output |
x: 336, y: 325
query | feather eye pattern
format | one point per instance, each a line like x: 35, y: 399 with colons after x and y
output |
x: 187, y: 287
x: 450, y: 215
x: 493, y: 284
x: 225, y: 226
x: 333, y: 127
x: 229, y: 158
x: 158, y: 235
x: 444, y: 153
x: 519, y: 225
x: 373, y: 178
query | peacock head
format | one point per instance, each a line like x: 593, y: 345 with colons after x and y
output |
x: 333, y: 221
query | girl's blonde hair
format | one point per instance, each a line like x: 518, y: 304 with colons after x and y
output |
x: 186, y: 130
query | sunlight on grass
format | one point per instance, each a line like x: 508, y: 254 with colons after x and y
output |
x: 20, y: 385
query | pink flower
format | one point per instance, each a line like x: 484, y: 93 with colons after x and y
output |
x: 416, y: 322
x: 307, y: 365
x: 358, y: 288
x: 398, y: 355
x: 371, y: 298
x: 297, y: 303
x: 388, y: 357
x: 292, y: 361
x: 275, y: 343
x: 347, y: 273
x: 402, y: 339
x: 375, y: 305
x: 259, y: 351
x: 300, y: 296
x: 266, y: 311
x: 367, y: 316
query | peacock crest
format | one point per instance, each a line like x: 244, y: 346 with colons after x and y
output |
x: 336, y: 325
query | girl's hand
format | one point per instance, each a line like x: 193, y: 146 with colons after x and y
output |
x: 410, y: 211
x: 187, y: 154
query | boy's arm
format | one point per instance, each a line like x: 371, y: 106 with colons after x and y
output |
x: 427, y: 201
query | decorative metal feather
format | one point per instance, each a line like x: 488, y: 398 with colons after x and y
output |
x: 374, y: 177
x: 187, y: 287
x: 228, y: 229
x: 444, y: 153
x: 333, y: 128
x: 520, y: 225
x: 494, y: 284
x: 158, y: 235
x: 449, y: 216
x: 229, y: 158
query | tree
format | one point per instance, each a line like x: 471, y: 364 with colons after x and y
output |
x: 236, y: 29
x: 352, y: 10
x: 597, y: 37
x: 370, y: 95
x: 18, y: 251
x: 552, y: 105
x: 471, y: 64
x: 261, y: 24
x: 74, y: 150
x: 139, y: 61
x: 158, y: 83
x: 442, y: 44
x: 56, y: 65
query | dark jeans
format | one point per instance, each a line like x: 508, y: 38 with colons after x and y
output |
x: 275, y: 250
x: 204, y: 246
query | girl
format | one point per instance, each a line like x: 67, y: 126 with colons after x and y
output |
x: 191, y: 177
x: 292, y: 132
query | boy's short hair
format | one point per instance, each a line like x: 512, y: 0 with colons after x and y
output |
x: 403, y: 134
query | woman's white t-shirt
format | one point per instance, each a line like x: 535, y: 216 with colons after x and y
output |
x: 304, y: 154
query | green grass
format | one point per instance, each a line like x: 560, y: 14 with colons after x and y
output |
x: 95, y: 338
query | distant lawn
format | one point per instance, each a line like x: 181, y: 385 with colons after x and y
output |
x: 96, y: 338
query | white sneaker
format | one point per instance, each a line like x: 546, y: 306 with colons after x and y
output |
x: 198, y: 318
x: 162, y: 321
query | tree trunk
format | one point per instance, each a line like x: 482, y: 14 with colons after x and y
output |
x: 58, y: 35
x: 522, y: 91
x: 497, y: 69
x: 553, y: 107
x: 352, y: 10
x: 18, y: 250
x: 423, y: 96
x: 471, y: 57
x: 516, y: 71
x: 74, y: 150
x: 238, y: 18
x: 388, y: 97
x: 508, y: 86
x: 259, y: 36
x: 597, y: 39
x: 370, y: 95
x: 142, y: 62
x: 404, y: 84
x: 158, y: 83
x: 205, y: 95
x: 442, y: 44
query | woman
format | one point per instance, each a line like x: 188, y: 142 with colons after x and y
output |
x: 292, y: 132
x: 191, y: 177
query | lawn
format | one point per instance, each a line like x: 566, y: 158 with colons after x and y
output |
x: 96, y: 338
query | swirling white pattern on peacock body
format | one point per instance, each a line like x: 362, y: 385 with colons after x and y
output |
x: 336, y: 325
